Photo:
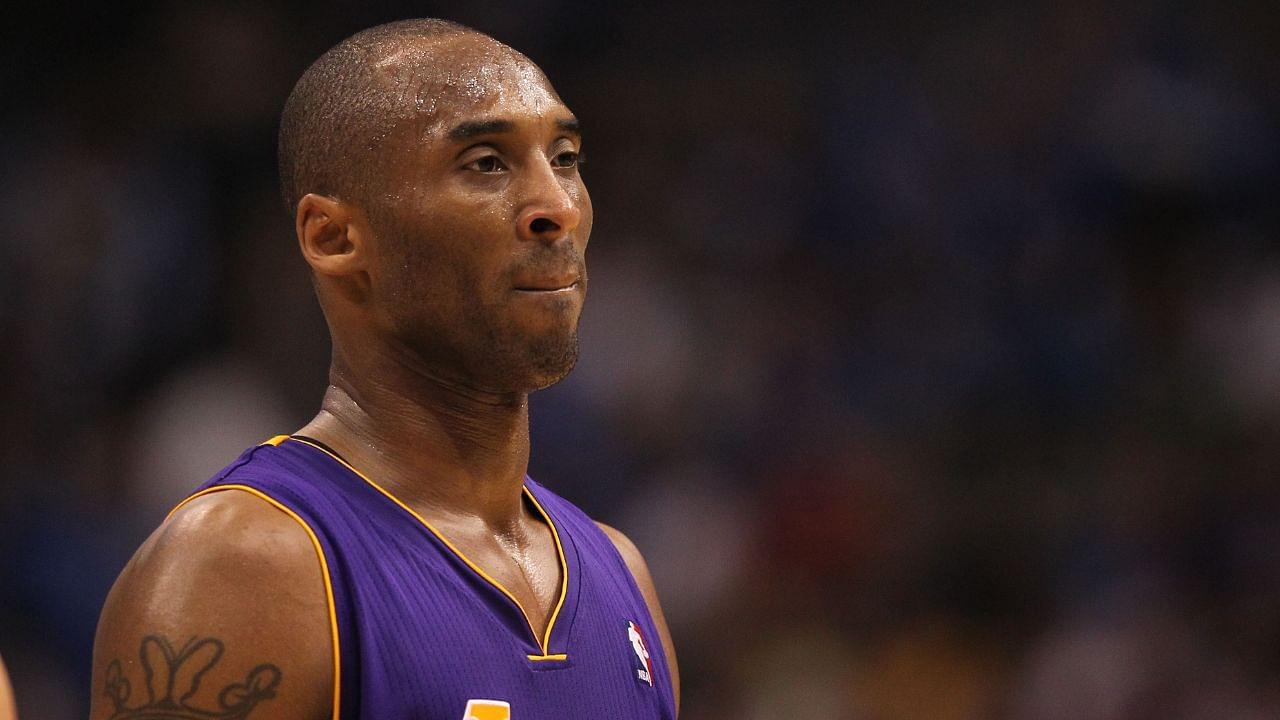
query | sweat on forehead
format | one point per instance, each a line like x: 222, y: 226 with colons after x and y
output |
x: 434, y: 80
x: 346, y: 105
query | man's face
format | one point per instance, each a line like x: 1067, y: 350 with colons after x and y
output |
x: 481, y: 220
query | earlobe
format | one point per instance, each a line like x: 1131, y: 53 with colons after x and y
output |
x: 327, y: 236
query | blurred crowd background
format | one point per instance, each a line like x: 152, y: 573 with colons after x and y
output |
x: 932, y: 355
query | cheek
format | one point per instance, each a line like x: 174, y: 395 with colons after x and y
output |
x: 451, y: 271
x: 588, y: 216
x: 413, y: 267
x: 450, y: 247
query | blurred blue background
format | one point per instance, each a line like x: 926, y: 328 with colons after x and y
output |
x: 932, y: 355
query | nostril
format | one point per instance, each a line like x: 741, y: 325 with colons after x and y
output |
x: 541, y: 225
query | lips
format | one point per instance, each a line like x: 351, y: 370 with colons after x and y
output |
x: 549, y: 285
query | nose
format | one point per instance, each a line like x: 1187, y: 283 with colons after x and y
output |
x: 552, y: 211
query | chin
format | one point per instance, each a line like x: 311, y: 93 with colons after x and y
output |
x: 525, y: 364
x: 554, y: 366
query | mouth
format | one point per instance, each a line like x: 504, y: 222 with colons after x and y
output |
x: 550, y: 286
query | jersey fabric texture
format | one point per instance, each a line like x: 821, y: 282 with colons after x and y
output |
x: 424, y: 634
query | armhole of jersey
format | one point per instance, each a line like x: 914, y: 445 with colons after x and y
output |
x: 644, y: 602
x: 324, y: 571
x: 626, y: 567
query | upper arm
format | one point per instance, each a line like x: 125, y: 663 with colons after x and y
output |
x: 225, y: 606
x: 640, y: 570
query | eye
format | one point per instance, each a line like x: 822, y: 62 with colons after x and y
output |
x: 568, y: 159
x: 487, y: 164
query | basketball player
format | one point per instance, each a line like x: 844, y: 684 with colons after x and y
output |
x: 391, y: 560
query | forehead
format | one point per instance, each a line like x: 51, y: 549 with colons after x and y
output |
x: 437, y: 83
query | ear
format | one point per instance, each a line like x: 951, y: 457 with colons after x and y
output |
x: 332, y: 235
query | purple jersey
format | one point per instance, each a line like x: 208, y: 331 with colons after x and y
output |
x: 424, y: 634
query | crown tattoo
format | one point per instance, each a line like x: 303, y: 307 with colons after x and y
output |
x: 173, y: 678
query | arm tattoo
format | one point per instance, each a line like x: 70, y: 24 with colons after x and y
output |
x: 173, y: 678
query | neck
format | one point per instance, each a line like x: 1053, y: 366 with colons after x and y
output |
x: 436, y: 444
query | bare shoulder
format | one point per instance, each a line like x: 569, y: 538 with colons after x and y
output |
x: 224, y: 607
x: 644, y: 580
x: 636, y: 564
x: 627, y: 549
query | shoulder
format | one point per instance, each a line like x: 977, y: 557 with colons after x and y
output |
x: 627, y: 549
x: 644, y: 580
x: 228, y: 536
x: 229, y: 591
x: 240, y: 521
x: 635, y: 563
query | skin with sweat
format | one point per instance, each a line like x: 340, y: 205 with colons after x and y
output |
x: 452, y: 289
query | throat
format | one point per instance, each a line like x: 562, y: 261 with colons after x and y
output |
x: 444, y: 455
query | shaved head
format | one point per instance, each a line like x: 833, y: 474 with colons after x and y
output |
x: 433, y: 176
x: 336, y: 122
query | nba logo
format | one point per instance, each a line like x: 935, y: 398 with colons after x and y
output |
x: 487, y: 710
x: 641, y: 660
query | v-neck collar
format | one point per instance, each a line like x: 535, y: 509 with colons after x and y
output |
x: 544, y: 643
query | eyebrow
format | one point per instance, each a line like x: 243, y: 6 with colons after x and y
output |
x: 476, y: 128
x: 570, y: 125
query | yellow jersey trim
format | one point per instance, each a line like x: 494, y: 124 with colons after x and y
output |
x: 560, y: 656
x: 564, y: 577
x: 324, y: 569
x: 545, y: 641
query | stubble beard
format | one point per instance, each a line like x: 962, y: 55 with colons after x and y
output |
x: 480, y: 347
x: 489, y: 355
x: 528, y: 363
